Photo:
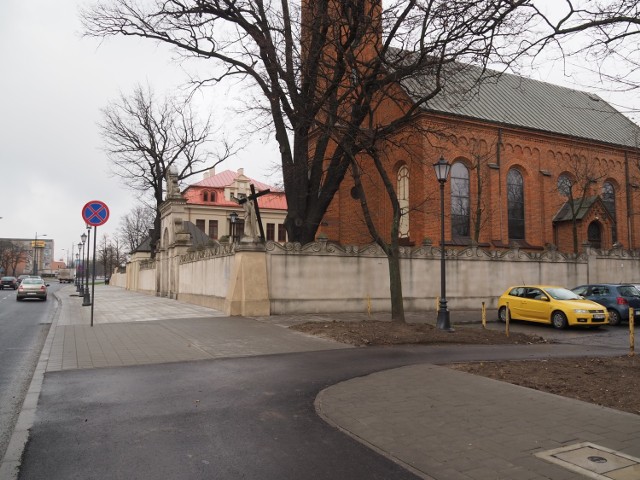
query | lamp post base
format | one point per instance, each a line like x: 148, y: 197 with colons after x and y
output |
x: 87, y: 299
x: 443, y: 323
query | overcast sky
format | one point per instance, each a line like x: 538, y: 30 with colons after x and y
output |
x: 53, y: 85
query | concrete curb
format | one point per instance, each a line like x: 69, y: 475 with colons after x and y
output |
x: 10, y: 464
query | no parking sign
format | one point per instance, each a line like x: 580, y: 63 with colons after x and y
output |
x: 95, y: 213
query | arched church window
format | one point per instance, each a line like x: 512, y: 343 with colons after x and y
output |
x: 515, y: 204
x: 460, y: 212
x: 609, y: 200
x: 403, y: 200
x: 565, y: 184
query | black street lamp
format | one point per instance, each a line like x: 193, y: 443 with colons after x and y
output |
x: 79, y: 269
x: 233, y: 218
x: 86, y: 301
x: 442, y: 168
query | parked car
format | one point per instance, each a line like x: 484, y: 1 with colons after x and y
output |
x: 32, y: 287
x: 8, y: 282
x: 549, y: 304
x: 616, y: 297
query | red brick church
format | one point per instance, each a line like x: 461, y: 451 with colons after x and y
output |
x: 530, y: 161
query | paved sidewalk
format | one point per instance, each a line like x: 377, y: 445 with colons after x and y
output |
x: 449, y: 425
x: 439, y: 423
x: 132, y: 328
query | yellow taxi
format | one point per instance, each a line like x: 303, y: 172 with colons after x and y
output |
x: 548, y: 304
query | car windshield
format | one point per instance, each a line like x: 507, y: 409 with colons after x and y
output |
x: 629, y: 291
x: 32, y: 281
x: 562, y: 294
x: 7, y: 278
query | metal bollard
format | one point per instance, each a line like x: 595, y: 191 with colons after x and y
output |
x: 508, y: 318
x: 484, y: 316
x: 632, y: 340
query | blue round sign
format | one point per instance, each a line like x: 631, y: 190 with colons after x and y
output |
x: 95, y: 213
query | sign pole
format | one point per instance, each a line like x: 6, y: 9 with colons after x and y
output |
x: 94, y: 213
x: 86, y: 298
x: 93, y: 277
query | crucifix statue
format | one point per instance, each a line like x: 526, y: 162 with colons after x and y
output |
x: 252, y: 214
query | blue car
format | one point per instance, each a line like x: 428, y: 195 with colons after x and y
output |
x: 616, y: 297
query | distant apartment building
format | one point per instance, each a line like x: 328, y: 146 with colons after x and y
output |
x: 20, y: 256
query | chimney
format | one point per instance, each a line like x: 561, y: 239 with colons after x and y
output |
x: 209, y: 173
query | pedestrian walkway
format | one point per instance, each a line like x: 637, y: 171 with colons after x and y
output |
x: 439, y: 423
x: 132, y: 328
x: 449, y: 425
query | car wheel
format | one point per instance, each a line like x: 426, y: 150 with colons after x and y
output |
x: 44, y: 299
x: 614, y: 317
x: 502, y: 314
x: 18, y: 299
x: 559, y: 320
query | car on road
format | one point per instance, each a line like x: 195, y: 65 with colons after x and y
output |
x: 8, y: 282
x: 557, y: 306
x: 22, y: 277
x: 616, y: 297
x: 32, y: 287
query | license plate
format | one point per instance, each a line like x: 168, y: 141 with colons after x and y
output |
x: 598, y: 317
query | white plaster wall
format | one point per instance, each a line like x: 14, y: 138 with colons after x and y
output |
x: 147, y: 280
x: 314, y: 283
x: 118, y: 280
x: 343, y: 280
x: 205, y: 282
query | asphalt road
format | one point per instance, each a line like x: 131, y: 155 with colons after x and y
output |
x: 250, y: 418
x: 23, y: 330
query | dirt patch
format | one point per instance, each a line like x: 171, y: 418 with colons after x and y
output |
x: 612, y: 382
x: 371, y: 333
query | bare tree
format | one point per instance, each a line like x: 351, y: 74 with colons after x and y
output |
x: 144, y: 138
x: 389, y: 242
x: 109, y: 254
x: 480, y: 205
x: 576, y: 183
x: 606, y: 34
x: 321, y: 67
x: 11, y: 254
x: 135, y: 226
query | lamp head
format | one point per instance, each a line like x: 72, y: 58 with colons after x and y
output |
x: 83, y: 237
x: 442, y: 168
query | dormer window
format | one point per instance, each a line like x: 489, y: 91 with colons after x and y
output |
x: 209, y: 196
x: 205, y: 196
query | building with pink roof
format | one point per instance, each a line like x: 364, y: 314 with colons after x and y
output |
x: 212, y: 205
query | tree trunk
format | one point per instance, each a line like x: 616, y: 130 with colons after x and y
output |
x: 395, y: 284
